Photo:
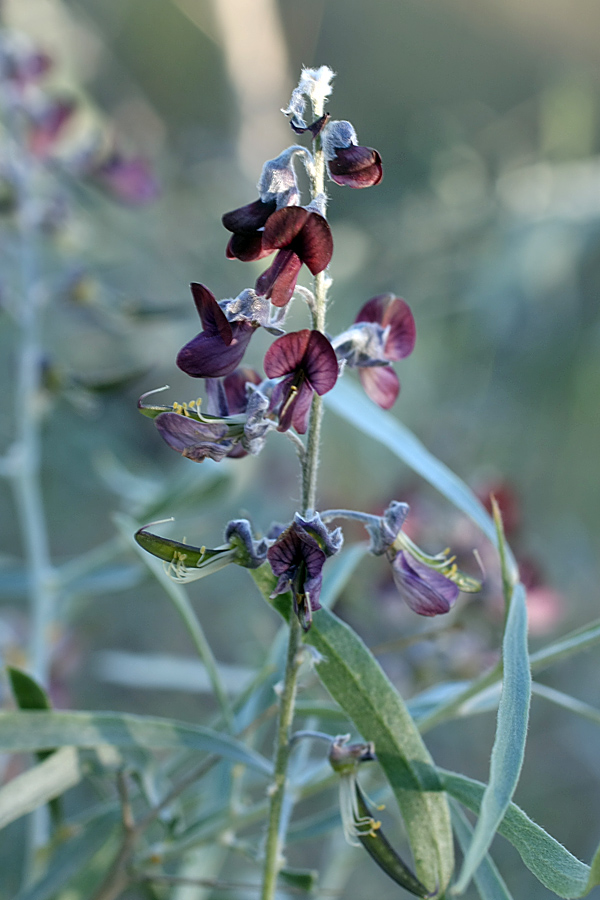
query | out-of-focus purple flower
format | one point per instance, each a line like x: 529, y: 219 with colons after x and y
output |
x: 220, y: 346
x: 297, y: 558
x: 425, y: 590
x: 308, y: 363
x: 21, y: 62
x: 384, y: 332
x: 348, y: 163
x: 47, y: 123
x: 129, y: 179
x: 195, y: 440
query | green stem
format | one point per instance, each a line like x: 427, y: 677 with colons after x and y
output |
x: 275, y: 839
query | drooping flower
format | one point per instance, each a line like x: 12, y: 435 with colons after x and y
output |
x: 297, y: 558
x: 428, y: 584
x: 348, y: 163
x: 235, y: 395
x: 308, y: 363
x: 227, y: 329
x: 359, y: 826
x: 426, y: 591
x: 276, y: 222
x: 383, y: 332
x: 301, y: 236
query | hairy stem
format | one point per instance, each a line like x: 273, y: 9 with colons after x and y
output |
x: 275, y: 840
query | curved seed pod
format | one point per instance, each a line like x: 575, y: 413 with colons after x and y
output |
x: 381, y: 851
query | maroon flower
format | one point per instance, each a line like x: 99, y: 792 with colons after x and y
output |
x: 348, y: 163
x: 219, y: 348
x: 384, y: 332
x: 301, y: 236
x: 308, y: 363
x: 297, y: 558
x: 47, y: 125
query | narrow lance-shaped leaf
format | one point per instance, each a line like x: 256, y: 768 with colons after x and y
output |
x: 487, y: 878
x: 23, y: 731
x: 356, y: 681
x: 513, y: 714
x: 550, y: 862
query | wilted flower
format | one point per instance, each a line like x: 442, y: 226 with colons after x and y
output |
x: 219, y: 348
x: 314, y: 85
x: 297, y: 558
x: 349, y: 164
x: 185, y: 563
x: 359, y: 826
x: 308, y: 362
x: 383, y: 332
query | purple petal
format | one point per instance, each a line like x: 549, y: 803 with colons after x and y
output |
x: 283, y: 226
x: 246, y: 247
x: 235, y: 388
x: 297, y: 410
x: 214, y: 321
x: 286, y: 353
x: 320, y: 363
x: 208, y: 356
x: 194, y: 440
x: 248, y: 219
x: 356, y: 167
x: 278, y: 282
x: 216, y: 399
x: 427, y: 592
x: 381, y: 384
x: 394, y: 312
x: 314, y: 244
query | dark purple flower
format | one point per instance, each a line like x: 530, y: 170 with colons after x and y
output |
x: 193, y: 439
x: 384, y: 332
x: 308, y: 363
x: 297, y: 558
x: 219, y: 348
x: 348, y: 163
x: 301, y: 236
x: 21, y: 62
x: 229, y: 397
x: 426, y: 591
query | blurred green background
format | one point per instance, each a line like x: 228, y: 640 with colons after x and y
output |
x: 487, y: 221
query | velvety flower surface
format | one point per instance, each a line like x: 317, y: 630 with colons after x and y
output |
x: 427, y: 592
x: 348, y: 163
x: 297, y: 558
x: 308, y: 364
x: 392, y: 320
x: 194, y: 440
x: 220, y: 346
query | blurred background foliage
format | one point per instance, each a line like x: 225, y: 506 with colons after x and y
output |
x: 488, y: 222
